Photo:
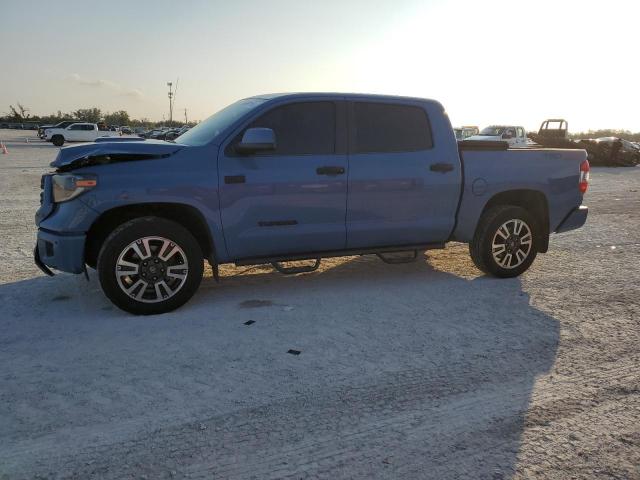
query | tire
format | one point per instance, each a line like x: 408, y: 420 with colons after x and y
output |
x: 165, y: 246
x: 57, y: 140
x: 491, y: 245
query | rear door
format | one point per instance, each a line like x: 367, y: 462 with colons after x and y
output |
x: 90, y: 132
x: 404, y: 175
x: 292, y: 200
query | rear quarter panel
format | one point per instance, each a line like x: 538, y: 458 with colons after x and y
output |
x: 553, y: 172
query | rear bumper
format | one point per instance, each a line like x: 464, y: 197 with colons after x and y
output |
x: 62, y: 252
x: 576, y: 218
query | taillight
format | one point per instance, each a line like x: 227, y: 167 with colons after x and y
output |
x: 584, y: 176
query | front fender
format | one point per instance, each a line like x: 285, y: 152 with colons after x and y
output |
x: 189, y: 177
x: 73, y: 217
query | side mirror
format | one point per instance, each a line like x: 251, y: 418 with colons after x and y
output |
x: 257, y: 140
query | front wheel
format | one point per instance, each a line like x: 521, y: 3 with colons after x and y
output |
x: 150, y: 265
x: 505, y: 244
x: 57, y: 140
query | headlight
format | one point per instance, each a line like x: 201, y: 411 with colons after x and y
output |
x: 68, y: 186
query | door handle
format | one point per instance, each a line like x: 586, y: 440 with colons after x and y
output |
x: 234, y: 179
x: 330, y: 170
x: 441, y: 167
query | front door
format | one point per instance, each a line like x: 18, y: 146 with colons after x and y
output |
x: 293, y: 199
x: 404, y: 187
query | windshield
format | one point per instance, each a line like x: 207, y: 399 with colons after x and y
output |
x: 492, y: 131
x: 209, y: 129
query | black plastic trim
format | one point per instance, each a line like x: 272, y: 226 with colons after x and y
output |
x: 277, y: 223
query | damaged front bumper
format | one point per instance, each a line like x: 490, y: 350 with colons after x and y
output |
x: 62, y: 252
x: 43, y: 268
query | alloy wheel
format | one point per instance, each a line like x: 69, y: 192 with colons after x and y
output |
x: 151, y: 269
x: 512, y: 243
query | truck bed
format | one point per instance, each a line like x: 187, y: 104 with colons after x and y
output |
x: 492, y: 167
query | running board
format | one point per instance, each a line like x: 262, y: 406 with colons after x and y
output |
x: 337, y: 253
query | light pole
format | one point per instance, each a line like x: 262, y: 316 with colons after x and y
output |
x: 170, y: 103
x: 185, y: 116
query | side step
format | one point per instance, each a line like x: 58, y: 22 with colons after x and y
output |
x: 336, y: 253
x: 398, y: 260
x: 293, y: 270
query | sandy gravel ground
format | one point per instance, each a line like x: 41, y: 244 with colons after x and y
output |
x: 425, y: 370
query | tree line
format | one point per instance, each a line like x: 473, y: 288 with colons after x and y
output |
x: 20, y: 114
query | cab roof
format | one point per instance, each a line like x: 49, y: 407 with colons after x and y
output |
x: 362, y: 96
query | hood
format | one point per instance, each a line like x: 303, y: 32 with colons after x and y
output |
x: 105, y: 152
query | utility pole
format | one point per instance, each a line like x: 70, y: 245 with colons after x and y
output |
x: 185, y: 117
x: 170, y: 102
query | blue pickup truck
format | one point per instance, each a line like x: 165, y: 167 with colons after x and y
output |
x: 277, y: 178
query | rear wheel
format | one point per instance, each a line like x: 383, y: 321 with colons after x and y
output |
x: 57, y: 140
x: 504, y: 244
x: 150, y: 265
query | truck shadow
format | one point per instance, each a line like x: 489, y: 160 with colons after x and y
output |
x: 402, y: 371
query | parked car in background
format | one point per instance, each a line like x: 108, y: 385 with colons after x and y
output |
x: 299, y: 176
x: 515, y: 136
x: 177, y: 132
x: 553, y: 133
x: 63, y: 124
x: 139, y: 130
x: 171, y: 134
x: 126, y: 130
x: 76, y: 132
x: 151, y: 133
x: 554, y: 128
x: 462, y: 133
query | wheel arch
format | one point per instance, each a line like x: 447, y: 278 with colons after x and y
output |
x: 534, y: 201
x: 186, y: 215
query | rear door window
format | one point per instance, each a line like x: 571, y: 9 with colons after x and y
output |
x: 385, y: 127
x: 307, y: 128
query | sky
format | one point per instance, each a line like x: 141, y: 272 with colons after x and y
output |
x: 488, y: 62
